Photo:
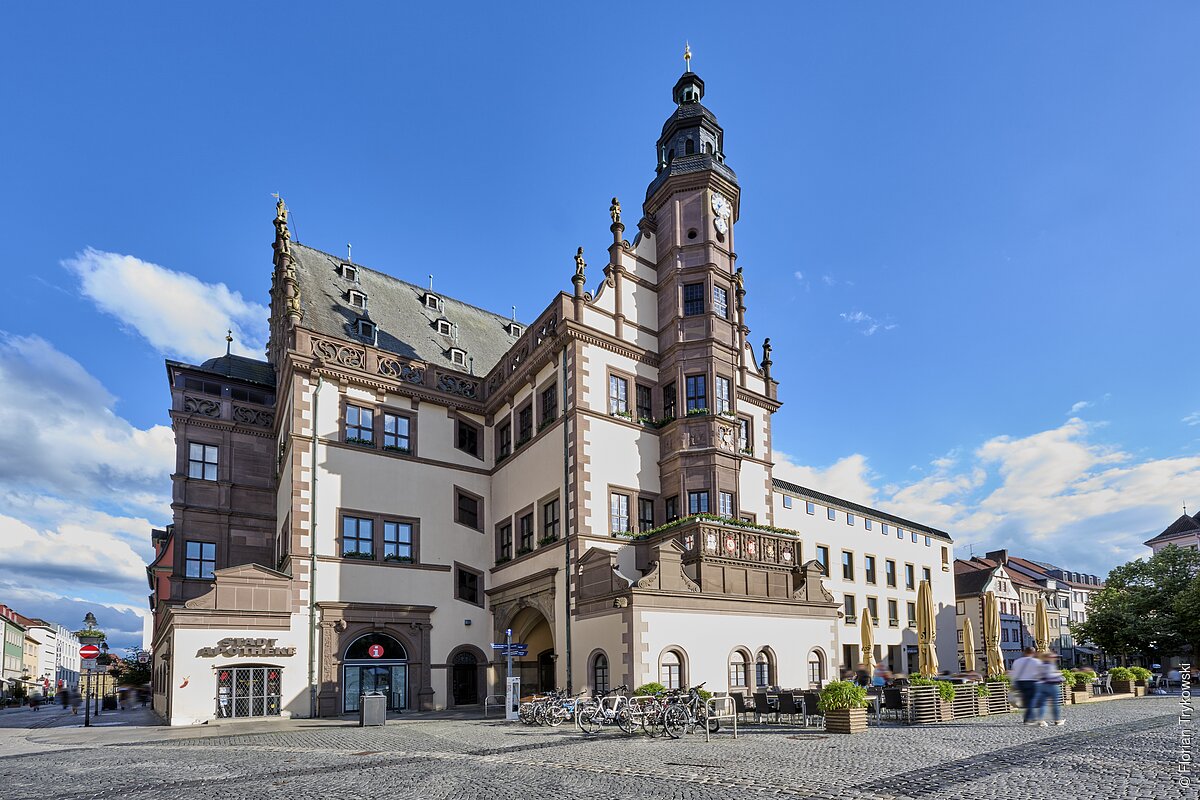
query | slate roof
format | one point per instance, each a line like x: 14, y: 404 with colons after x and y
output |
x: 240, y: 367
x: 865, y: 511
x: 405, y: 326
x: 1183, y: 526
x: 970, y: 577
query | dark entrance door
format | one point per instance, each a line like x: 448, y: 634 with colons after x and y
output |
x: 546, y: 679
x: 465, y: 680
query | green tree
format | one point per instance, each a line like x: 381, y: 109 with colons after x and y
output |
x: 1146, y: 606
x: 132, y: 670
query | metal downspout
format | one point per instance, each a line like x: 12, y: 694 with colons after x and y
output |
x: 312, y: 558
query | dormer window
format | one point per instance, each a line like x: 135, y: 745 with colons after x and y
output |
x: 444, y: 327
x: 432, y: 301
x: 366, y: 329
x: 350, y: 272
x: 458, y: 356
x: 358, y: 299
x: 514, y: 329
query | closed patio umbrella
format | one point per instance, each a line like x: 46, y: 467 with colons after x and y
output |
x: 926, y: 632
x: 991, y: 636
x: 868, y: 640
x: 968, y: 646
x: 1041, y: 626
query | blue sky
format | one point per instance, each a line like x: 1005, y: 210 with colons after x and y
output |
x: 970, y: 232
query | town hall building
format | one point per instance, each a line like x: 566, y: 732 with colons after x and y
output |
x: 406, y: 477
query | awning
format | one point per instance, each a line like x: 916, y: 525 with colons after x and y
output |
x: 1091, y: 651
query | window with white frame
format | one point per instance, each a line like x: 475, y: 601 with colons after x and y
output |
x: 618, y: 395
x: 723, y: 395
x: 619, y: 512
x: 725, y: 504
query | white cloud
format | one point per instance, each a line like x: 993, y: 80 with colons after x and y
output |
x: 799, y: 275
x: 1192, y: 418
x: 79, y: 488
x: 1080, y: 406
x: 829, y: 280
x: 177, y: 313
x: 867, y: 325
x: 1055, y: 495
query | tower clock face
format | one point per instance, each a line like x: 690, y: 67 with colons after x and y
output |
x: 722, y: 209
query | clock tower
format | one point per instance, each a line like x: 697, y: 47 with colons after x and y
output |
x: 691, y: 210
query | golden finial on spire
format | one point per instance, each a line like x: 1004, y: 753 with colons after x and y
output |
x: 687, y: 57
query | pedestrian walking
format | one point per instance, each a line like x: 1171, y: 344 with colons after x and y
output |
x: 64, y: 697
x: 1050, y: 689
x: 76, y: 701
x: 1025, y: 673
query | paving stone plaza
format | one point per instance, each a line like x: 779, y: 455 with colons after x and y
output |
x: 1120, y: 749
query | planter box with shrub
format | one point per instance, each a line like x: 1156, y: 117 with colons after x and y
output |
x: 1122, y: 680
x: 998, y: 697
x: 845, y: 707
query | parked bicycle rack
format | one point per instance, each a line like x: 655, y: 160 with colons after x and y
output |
x: 729, y: 712
x: 492, y: 701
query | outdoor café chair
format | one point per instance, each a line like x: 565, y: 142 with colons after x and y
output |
x: 739, y: 704
x: 811, y: 708
x: 787, y: 705
x: 762, y: 707
x: 893, y: 703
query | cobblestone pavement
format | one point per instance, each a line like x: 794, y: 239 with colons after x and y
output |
x: 1119, y: 749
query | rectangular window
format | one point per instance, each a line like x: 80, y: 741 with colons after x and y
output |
x: 644, y: 408
x: 723, y: 396
x: 525, y: 424
x: 884, y: 529
x: 851, y: 608
x: 787, y: 501
x: 830, y: 513
x: 618, y: 506
x: 669, y: 401
x: 697, y: 502
x: 720, y: 301
x: 504, y: 440
x: 397, y: 541
x: 873, y: 610
x: 671, y: 508
x: 202, y: 461
x: 866, y: 523
x: 358, y: 537
x: 201, y: 560
x: 849, y: 519
x: 914, y: 537
x: 745, y: 437
x: 737, y: 671
x: 395, y: 433
x: 550, y: 520
x: 468, y: 586
x: 467, y: 438
x: 549, y: 404
x: 927, y: 541
x: 899, y: 533
x: 810, y: 508
x: 869, y: 568
x: 618, y: 395
x: 693, y: 299
x: 697, y: 393
x: 925, y: 574
x: 912, y: 614
x: 848, y: 565
x: 725, y: 504
x: 823, y: 558
x: 468, y: 510
x: 360, y: 425
x: 525, y: 526
x: 910, y: 580
x: 645, y: 513
x: 893, y: 614
x: 889, y: 572
x: 506, y: 540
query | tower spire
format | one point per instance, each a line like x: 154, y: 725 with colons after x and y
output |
x: 687, y: 57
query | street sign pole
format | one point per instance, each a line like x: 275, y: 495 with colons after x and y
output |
x: 87, y: 706
x: 508, y: 649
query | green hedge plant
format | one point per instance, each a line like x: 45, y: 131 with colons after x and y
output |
x: 1120, y: 674
x: 651, y: 688
x: 1140, y: 673
x: 841, y: 695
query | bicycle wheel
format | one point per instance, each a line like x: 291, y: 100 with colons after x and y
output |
x: 652, y: 720
x: 590, y: 720
x: 675, y: 720
x: 525, y: 713
x: 626, y: 721
x: 555, y: 716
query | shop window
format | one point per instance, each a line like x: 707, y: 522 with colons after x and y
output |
x: 249, y: 692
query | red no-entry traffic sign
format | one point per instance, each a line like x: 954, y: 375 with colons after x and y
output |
x: 89, y: 651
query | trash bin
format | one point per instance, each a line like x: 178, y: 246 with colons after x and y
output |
x: 372, y: 709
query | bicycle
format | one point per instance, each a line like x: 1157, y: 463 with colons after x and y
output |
x: 684, y: 713
x: 596, y: 712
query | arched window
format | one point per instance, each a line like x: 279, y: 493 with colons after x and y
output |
x: 763, y: 671
x: 600, y: 673
x: 363, y: 648
x: 689, y: 147
x: 708, y: 148
x: 670, y: 155
x: 670, y: 670
x: 816, y: 669
x: 737, y: 669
